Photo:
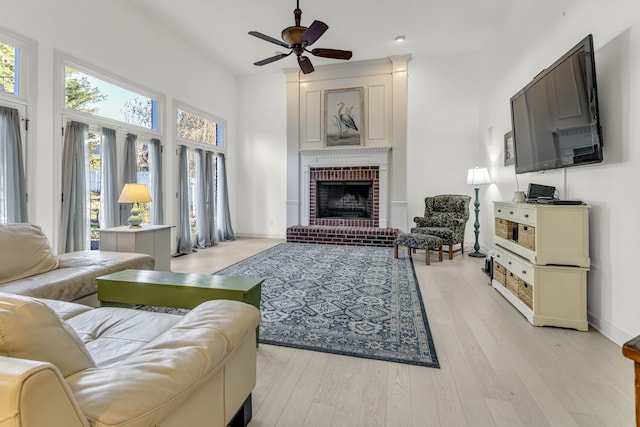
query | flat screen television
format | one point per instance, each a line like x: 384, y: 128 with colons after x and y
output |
x: 555, y: 118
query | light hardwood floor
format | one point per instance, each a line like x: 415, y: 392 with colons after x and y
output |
x: 495, y: 368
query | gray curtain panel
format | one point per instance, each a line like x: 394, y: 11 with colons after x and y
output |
x: 130, y: 175
x: 202, y: 218
x: 184, y: 237
x: 210, y: 180
x: 12, y: 180
x: 155, y: 159
x: 73, y: 224
x: 110, y: 209
x: 225, y: 230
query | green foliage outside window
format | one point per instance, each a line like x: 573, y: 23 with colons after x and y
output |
x: 79, y: 94
x: 7, y: 68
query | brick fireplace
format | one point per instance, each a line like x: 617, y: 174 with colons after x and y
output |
x: 344, y: 197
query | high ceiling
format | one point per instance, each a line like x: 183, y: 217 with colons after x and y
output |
x: 367, y: 27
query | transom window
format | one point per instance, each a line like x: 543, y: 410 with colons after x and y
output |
x: 92, y: 95
x: 198, y: 128
x: 9, y: 68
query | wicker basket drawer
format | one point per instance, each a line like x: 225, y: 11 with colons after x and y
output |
x: 500, y: 274
x: 525, y: 293
x: 504, y: 228
x: 527, y: 236
x: 513, y: 283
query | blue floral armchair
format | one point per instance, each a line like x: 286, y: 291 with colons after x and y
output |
x: 445, y: 216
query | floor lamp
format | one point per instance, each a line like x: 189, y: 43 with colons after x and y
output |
x: 476, y: 177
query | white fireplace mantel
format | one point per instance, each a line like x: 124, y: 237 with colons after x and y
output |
x: 361, y: 156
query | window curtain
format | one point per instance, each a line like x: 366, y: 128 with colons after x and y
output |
x: 184, y: 238
x: 73, y: 226
x: 210, y: 180
x: 155, y: 158
x: 12, y: 180
x: 202, y: 218
x: 109, y: 189
x: 225, y: 231
x: 130, y: 175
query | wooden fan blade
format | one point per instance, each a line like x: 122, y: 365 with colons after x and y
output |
x: 269, y: 39
x: 305, y: 64
x: 313, y: 33
x: 332, y: 53
x: 272, y: 59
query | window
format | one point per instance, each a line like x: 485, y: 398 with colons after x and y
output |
x: 198, y: 128
x: 9, y: 68
x: 203, y: 137
x: 95, y: 187
x: 144, y: 177
x: 98, y: 97
x: 119, y: 108
x: 16, y: 55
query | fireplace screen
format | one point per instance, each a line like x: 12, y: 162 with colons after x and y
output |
x: 344, y: 199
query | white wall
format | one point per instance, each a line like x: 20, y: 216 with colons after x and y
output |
x: 443, y: 141
x: 122, y: 40
x: 260, y: 160
x: 513, y: 57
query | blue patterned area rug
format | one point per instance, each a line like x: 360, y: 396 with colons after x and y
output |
x: 350, y: 300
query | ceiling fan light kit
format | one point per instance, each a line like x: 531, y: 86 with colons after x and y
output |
x: 297, y: 38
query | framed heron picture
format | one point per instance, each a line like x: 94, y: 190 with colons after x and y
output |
x: 343, y: 117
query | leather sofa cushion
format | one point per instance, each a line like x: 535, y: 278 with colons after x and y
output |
x: 25, y: 251
x: 76, y: 274
x: 30, y: 329
x: 141, y: 388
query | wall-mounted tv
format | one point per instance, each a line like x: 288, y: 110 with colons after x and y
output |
x: 555, y: 117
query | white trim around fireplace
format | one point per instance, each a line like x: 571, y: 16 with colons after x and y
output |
x: 367, y: 156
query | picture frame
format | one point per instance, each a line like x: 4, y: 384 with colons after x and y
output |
x: 343, y: 111
x: 509, y: 151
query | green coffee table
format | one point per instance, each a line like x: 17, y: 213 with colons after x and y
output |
x: 177, y: 290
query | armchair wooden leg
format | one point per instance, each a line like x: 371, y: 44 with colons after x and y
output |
x: 450, y: 251
x: 440, y: 254
x: 395, y: 251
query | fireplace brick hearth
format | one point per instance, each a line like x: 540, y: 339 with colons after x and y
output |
x: 342, y: 235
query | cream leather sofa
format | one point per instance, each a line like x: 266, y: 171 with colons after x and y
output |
x: 29, y: 266
x: 67, y: 365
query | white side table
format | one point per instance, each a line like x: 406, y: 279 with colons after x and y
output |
x: 154, y: 240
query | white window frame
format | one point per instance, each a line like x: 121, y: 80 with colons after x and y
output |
x: 193, y: 145
x: 26, y: 82
x: 96, y: 122
x: 190, y: 143
x: 63, y: 61
x: 25, y: 103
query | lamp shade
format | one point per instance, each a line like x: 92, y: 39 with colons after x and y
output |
x: 478, y: 176
x: 135, y: 193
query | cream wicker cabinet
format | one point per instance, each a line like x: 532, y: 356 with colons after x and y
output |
x: 541, y: 261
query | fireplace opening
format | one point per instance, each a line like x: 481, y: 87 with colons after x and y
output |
x: 344, y: 199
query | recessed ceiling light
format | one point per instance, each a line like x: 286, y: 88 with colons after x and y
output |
x: 400, y: 39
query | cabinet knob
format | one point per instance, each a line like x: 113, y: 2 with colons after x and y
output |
x: 510, y: 212
x: 524, y: 272
x: 509, y: 262
x: 526, y: 215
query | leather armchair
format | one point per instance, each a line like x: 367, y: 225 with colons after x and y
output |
x: 445, y: 216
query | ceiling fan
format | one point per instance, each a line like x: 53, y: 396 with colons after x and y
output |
x: 297, y: 39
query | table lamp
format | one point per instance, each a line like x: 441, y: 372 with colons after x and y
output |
x: 135, y: 193
x: 477, y: 176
